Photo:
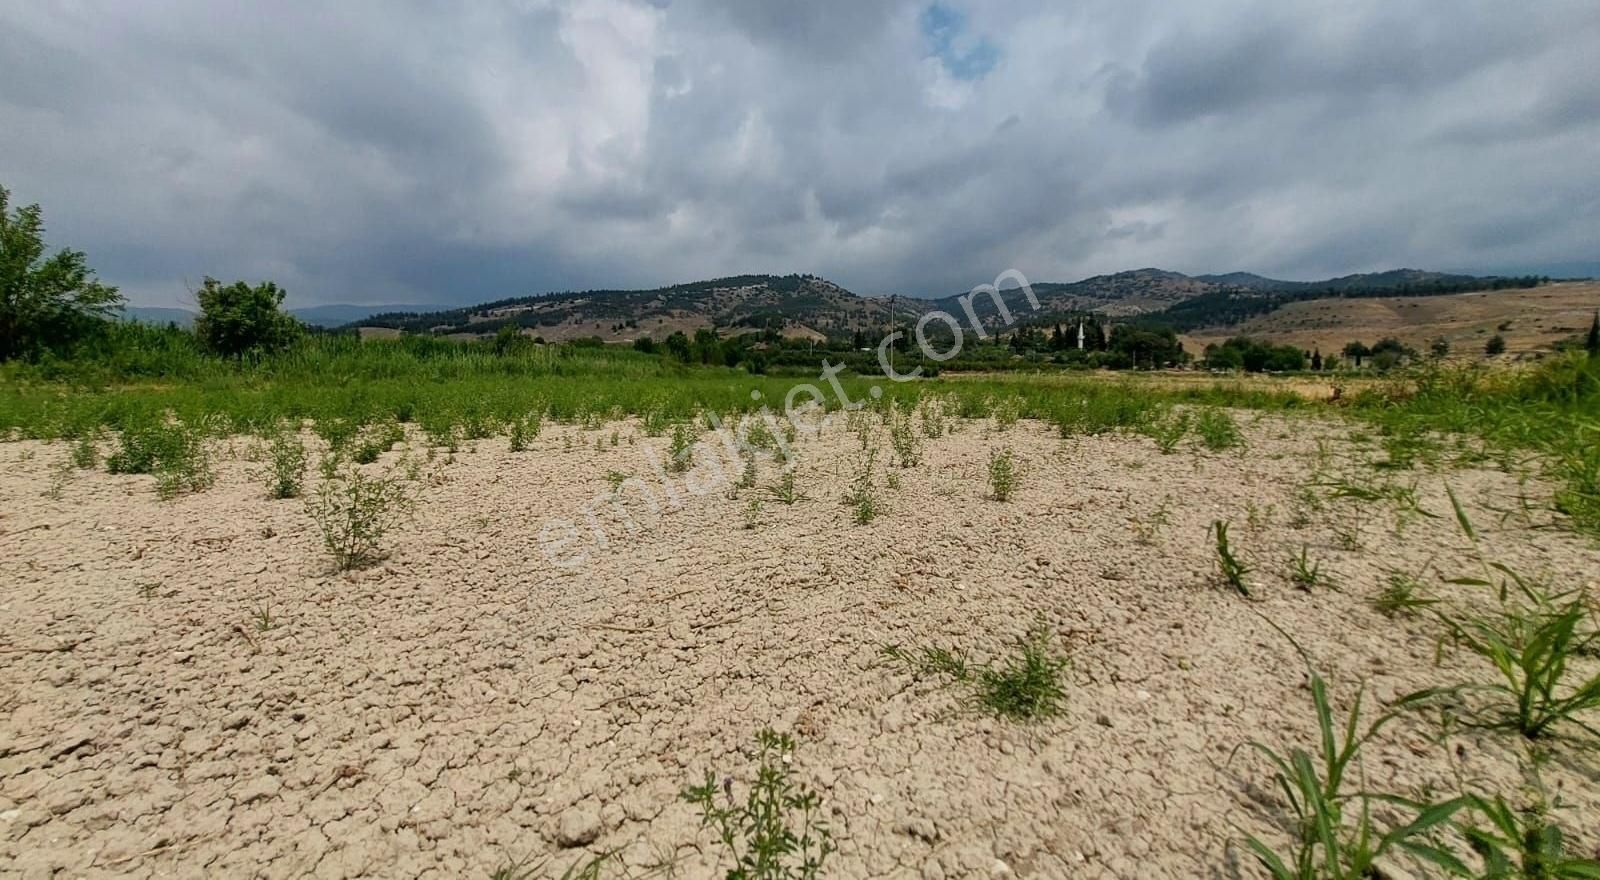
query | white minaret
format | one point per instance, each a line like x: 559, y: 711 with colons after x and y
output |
x: 1080, y: 334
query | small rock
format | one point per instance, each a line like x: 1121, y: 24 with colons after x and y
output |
x: 1103, y: 720
x: 580, y: 826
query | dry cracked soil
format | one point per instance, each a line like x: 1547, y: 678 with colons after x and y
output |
x: 190, y: 689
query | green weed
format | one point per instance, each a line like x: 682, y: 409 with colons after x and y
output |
x: 1002, y: 474
x: 1217, y: 430
x: 780, y: 831
x: 286, y: 463
x: 1025, y: 687
x: 1229, y: 566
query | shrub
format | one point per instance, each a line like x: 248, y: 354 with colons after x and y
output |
x: 174, y: 452
x: 354, y: 512
x: 287, y: 466
x: 524, y: 429
x: 238, y: 319
x: 1002, y: 474
x: 680, y: 455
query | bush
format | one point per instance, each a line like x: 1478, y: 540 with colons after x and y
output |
x: 172, y: 451
x: 288, y: 466
x: 238, y: 319
x: 354, y: 512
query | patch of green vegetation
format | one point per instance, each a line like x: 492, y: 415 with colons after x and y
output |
x: 1026, y: 686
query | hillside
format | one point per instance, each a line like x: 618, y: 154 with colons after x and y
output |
x: 1533, y: 319
x: 811, y: 307
x: 796, y: 305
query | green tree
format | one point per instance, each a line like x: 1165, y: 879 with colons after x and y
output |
x: 43, y: 301
x: 1440, y: 347
x: 237, y: 319
x: 1356, y: 351
x: 1592, y: 344
x: 1495, y: 345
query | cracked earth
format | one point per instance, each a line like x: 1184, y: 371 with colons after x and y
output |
x: 189, y: 690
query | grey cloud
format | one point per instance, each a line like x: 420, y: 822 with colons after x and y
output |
x: 431, y: 152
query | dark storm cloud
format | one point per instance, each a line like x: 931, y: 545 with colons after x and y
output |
x: 434, y: 152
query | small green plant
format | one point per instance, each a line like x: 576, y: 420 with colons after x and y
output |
x: 60, y: 475
x: 780, y: 831
x: 680, y: 455
x: 655, y: 422
x: 933, y: 422
x: 892, y: 480
x: 1002, y: 474
x: 1147, y: 531
x: 1168, y: 432
x: 1402, y: 596
x: 524, y: 429
x: 1531, y: 643
x: 147, y: 589
x: 615, y: 479
x: 1524, y: 844
x: 1229, y: 566
x: 862, y: 496
x: 337, y: 433
x: 752, y: 513
x: 353, y: 512
x: 1026, y: 687
x: 263, y: 618
x: 1305, y: 573
x: 1334, y: 835
x: 86, y: 452
x: 904, y: 440
x: 1217, y: 430
x: 785, y: 490
x: 1006, y: 412
x: 377, y: 441
x: 747, y: 476
x: 173, y: 451
x: 286, y: 466
x: 757, y: 435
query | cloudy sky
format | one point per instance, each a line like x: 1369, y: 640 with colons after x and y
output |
x: 449, y: 153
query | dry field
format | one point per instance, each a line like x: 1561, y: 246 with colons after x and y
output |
x: 191, y: 690
x: 1534, y: 320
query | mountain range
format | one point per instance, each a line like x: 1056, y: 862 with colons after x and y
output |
x: 813, y: 307
x: 809, y: 306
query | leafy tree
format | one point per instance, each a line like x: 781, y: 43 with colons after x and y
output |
x: 678, y: 346
x: 1356, y: 351
x: 1255, y: 356
x: 645, y: 344
x: 1592, y: 344
x: 1316, y: 359
x: 43, y: 301
x: 1495, y: 345
x: 1440, y: 347
x: 237, y: 319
